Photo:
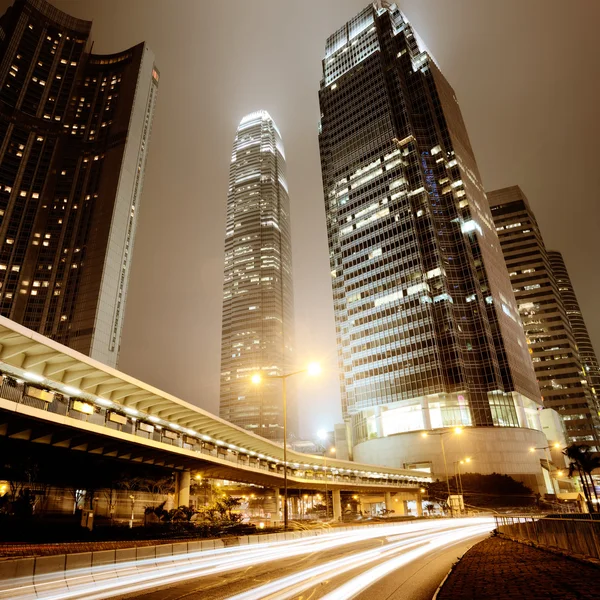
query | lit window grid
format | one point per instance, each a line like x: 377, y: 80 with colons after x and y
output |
x: 257, y: 293
x: 337, y: 218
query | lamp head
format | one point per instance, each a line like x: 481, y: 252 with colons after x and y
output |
x: 332, y: 450
x: 458, y: 430
x: 322, y: 434
x: 256, y: 378
x: 313, y: 369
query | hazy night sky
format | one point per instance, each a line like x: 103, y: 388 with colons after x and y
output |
x: 527, y: 76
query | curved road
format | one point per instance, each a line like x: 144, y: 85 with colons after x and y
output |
x: 406, y: 560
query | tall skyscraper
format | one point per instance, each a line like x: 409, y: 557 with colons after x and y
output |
x: 74, y: 133
x: 427, y: 326
x: 258, y: 305
x: 553, y: 344
x: 587, y: 355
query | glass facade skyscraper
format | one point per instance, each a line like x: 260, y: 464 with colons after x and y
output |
x: 258, y: 307
x: 427, y: 326
x: 74, y: 134
x: 543, y: 292
x: 587, y: 354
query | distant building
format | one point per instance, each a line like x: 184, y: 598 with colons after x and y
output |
x: 427, y: 326
x: 258, y: 307
x: 74, y: 133
x: 553, y: 345
x: 587, y: 355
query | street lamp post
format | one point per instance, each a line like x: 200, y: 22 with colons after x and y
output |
x: 458, y: 474
x: 312, y: 369
x: 556, y: 446
x: 323, y: 436
x: 441, y: 434
x: 332, y: 450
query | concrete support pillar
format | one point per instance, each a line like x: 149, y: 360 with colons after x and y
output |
x: 337, y: 505
x: 419, y: 504
x: 378, y: 422
x: 182, y: 488
x: 401, y: 508
x: 388, y: 502
x: 271, y: 504
x: 425, y: 412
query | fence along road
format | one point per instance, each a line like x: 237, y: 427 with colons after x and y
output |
x: 578, y: 537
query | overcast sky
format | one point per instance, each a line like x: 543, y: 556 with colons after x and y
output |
x: 527, y: 76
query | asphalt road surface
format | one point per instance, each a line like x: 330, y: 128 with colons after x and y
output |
x: 405, y: 560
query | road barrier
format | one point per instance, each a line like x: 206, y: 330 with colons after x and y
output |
x: 578, y: 537
x: 37, y: 576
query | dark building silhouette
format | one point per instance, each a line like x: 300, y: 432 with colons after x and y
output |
x: 541, y: 291
x: 74, y: 133
x: 427, y: 326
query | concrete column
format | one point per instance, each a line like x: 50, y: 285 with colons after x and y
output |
x: 388, y: 502
x: 419, y: 504
x: 337, y: 505
x: 378, y: 423
x: 401, y: 508
x: 182, y: 488
x: 425, y: 412
x: 271, y: 504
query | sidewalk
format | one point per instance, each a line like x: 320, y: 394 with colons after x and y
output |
x: 500, y: 569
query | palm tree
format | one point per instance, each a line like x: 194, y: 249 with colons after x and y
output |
x: 583, y: 461
x: 590, y: 462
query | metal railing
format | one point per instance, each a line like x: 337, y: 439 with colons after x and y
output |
x: 576, y: 536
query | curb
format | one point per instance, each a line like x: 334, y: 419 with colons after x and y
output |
x: 439, y: 588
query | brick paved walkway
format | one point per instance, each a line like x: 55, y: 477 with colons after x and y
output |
x: 500, y: 569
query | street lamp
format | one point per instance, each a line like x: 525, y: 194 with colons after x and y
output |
x: 556, y: 446
x: 332, y: 451
x: 312, y: 369
x: 457, y: 464
x: 441, y: 434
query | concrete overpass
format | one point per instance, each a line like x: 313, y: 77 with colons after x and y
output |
x: 50, y: 394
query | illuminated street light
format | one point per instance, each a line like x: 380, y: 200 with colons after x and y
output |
x: 441, y: 434
x: 312, y: 369
x: 556, y: 446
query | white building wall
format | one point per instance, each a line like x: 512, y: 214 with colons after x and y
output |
x: 504, y: 450
x: 115, y: 279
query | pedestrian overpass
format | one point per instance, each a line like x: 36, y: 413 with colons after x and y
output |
x: 50, y: 394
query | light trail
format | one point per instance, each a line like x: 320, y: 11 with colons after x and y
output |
x: 292, y: 585
x: 99, y: 583
x: 357, y: 584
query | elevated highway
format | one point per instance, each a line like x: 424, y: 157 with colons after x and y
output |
x: 50, y: 394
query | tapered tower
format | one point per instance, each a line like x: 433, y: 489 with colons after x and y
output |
x: 258, y: 308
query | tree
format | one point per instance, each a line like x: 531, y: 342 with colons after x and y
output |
x: 584, y: 462
x: 159, y: 487
x: 225, y: 507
